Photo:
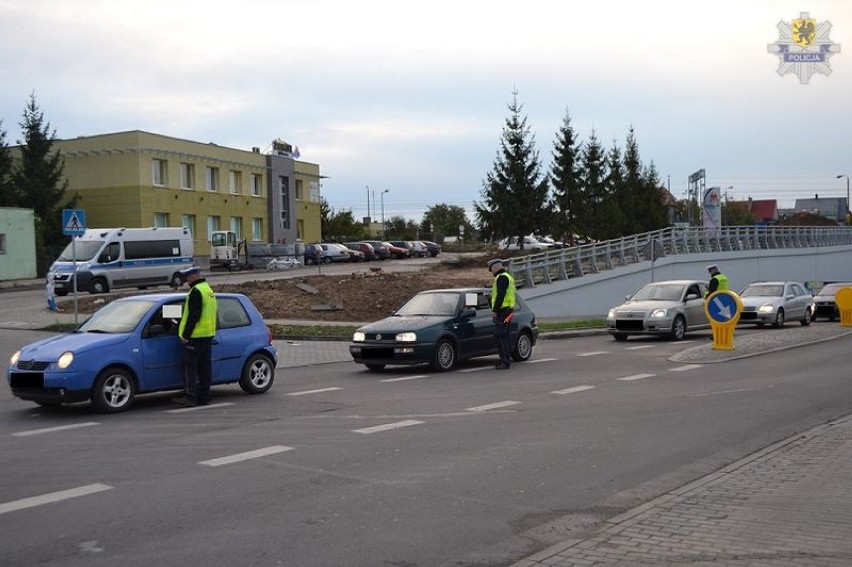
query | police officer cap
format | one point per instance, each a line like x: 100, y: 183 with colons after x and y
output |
x: 192, y: 270
x: 712, y: 267
x: 493, y: 261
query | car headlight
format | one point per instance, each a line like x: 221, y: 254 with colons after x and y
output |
x: 611, y: 314
x: 406, y: 337
x: 14, y: 360
x: 656, y: 313
x: 359, y: 337
x: 769, y: 308
x: 65, y: 360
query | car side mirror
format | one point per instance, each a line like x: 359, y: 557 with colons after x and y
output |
x: 156, y: 331
x: 791, y: 296
x: 468, y: 313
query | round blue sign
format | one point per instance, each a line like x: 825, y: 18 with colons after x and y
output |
x: 722, y: 307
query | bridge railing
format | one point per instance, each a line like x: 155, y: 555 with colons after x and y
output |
x: 577, y: 261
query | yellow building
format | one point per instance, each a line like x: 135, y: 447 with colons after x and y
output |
x: 140, y: 179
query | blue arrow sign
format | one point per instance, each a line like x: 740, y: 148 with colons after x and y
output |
x: 722, y: 307
x: 73, y: 222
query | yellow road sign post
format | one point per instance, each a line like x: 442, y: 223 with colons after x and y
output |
x: 843, y: 300
x: 723, y: 309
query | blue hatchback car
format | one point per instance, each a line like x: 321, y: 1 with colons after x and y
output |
x: 130, y: 346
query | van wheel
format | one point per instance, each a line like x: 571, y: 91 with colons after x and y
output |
x: 176, y: 280
x: 99, y: 285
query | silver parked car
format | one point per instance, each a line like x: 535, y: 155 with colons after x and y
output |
x: 774, y: 303
x: 824, y: 301
x: 670, y: 308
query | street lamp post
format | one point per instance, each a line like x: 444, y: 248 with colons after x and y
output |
x: 383, y: 212
x: 846, y: 219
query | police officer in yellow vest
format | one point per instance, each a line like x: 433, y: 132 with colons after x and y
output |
x: 718, y: 280
x: 502, y: 310
x: 196, y: 330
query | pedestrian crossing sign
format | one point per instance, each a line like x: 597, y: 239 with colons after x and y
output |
x: 73, y: 222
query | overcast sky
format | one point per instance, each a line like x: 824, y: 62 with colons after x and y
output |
x: 412, y: 97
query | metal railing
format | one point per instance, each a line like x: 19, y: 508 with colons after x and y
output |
x: 577, y: 261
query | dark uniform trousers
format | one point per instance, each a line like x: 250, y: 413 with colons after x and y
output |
x: 503, y: 336
x: 199, y: 369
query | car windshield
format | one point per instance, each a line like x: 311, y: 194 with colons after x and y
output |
x: 430, y: 304
x: 117, y: 317
x: 659, y: 292
x: 763, y: 290
x: 833, y: 288
x: 82, y: 250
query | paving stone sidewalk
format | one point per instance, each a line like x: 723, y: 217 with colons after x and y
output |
x: 788, y: 505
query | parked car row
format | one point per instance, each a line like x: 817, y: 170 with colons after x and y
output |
x: 368, y: 250
x: 673, y: 308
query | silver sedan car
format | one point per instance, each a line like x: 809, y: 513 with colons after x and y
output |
x: 774, y: 303
x: 670, y: 308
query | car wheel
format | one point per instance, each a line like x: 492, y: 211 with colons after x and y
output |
x: 176, y: 280
x: 373, y: 367
x: 445, y: 356
x: 678, y: 328
x: 806, y: 320
x: 619, y: 336
x: 779, y: 319
x: 328, y: 260
x: 258, y: 374
x: 523, y: 347
x: 114, y: 390
x: 99, y: 285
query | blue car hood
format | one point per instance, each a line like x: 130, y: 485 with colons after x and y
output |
x: 52, y: 348
x: 407, y: 323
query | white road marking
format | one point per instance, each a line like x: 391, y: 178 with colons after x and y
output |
x: 477, y: 369
x: 388, y: 426
x: 637, y: 377
x: 573, y: 390
x: 307, y: 392
x: 497, y: 405
x: 594, y: 353
x: 404, y: 378
x: 721, y: 392
x: 196, y: 408
x: 685, y: 367
x: 54, y: 429
x: 540, y: 360
x: 265, y: 452
x: 52, y: 497
x: 639, y: 347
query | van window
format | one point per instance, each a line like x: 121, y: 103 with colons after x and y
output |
x: 110, y: 253
x: 137, y: 250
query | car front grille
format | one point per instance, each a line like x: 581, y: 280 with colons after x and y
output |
x: 32, y: 365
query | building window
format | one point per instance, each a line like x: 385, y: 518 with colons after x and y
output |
x: 158, y: 172
x: 212, y: 226
x: 256, y: 183
x: 300, y: 191
x: 237, y: 226
x: 161, y: 219
x: 2, y: 243
x: 189, y: 222
x: 257, y: 229
x: 187, y: 175
x: 236, y: 179
x: 284, y: 192
x: 212, y: 175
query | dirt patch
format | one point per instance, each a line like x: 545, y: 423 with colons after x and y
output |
x: 361, y: 297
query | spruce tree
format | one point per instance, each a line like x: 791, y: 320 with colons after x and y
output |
x: 8, y: 195
x: 567, y: 183
x: 652, y: 195
x: 616, y: 188
x: 632, y: 209
x: 39, y: 178
x: 593, y: 171
x: 514, y: 193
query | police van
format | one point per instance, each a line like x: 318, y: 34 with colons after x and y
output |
x: 113, y: 258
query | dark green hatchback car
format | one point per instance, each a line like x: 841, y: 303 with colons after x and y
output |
x: 440, y: 327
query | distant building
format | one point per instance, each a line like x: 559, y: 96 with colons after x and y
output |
x: 17, y: 244
x: 140, y: 179
x: 833, y: 208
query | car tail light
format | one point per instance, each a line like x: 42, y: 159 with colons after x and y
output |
x: 268, y: 335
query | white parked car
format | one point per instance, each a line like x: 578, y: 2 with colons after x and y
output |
x: 335, y: 252
x: 531, y: 243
